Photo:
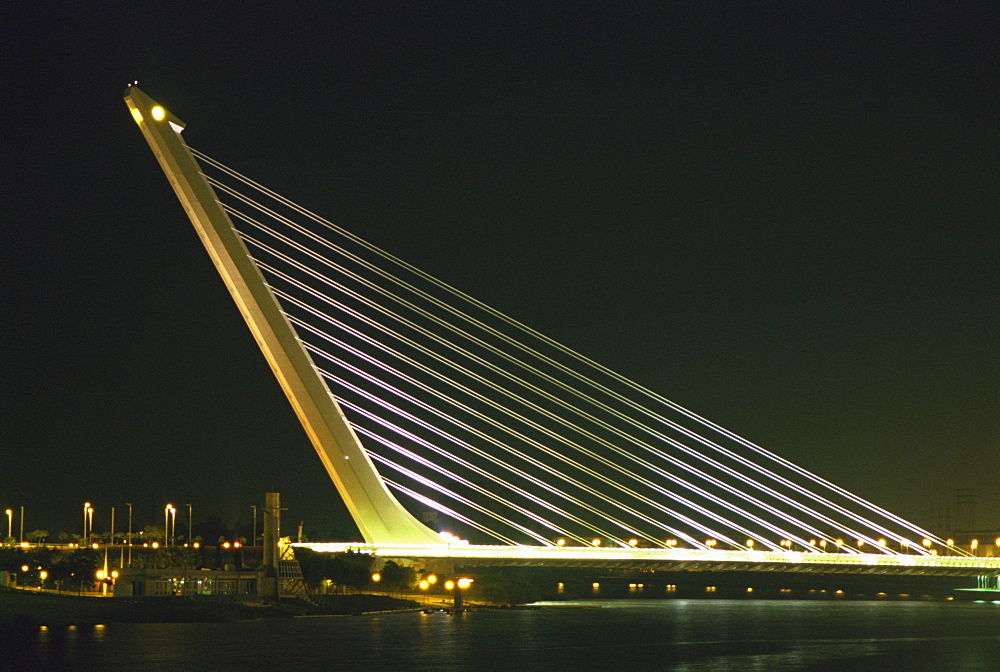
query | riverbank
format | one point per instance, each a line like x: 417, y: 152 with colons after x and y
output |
x: 24, y: 608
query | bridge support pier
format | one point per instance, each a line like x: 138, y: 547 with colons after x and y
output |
x: 269, y: 585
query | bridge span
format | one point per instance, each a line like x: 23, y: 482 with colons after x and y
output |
x: 498, y: 431
x: 675, y: 559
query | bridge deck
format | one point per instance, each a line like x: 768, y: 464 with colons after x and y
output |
x: 680, y: 559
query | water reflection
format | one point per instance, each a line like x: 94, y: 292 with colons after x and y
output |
x: 679, y: 635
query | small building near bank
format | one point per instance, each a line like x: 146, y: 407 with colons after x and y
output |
x: 279, y: 575
x: 237, y: 583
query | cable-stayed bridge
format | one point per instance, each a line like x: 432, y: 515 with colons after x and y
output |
x: 511, y: 447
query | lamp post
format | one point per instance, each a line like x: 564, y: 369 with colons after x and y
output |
x: 10, y: 523
x: 86, y: 507
x: 458, y: 586
x: 90, y: 524
x: 21, y: 537
x: 253, y: 541
x: 129, y: 505
x: 189, y: 539
x: 169, y: 524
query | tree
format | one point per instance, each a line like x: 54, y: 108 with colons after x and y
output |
x: 313, y: 566
x: 398, y: 577
x: 38, y: 535
x: 76, y: 569
x: 153, y: 532
x: 350, y: 569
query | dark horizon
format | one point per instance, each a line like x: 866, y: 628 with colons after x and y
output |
x: 783, y: 218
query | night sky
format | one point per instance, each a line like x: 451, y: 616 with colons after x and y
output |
x: 780, y: 215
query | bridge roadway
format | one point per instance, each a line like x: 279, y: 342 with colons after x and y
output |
x: 667, y: 559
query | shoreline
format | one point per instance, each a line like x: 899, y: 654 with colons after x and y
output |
x: 21, y: 609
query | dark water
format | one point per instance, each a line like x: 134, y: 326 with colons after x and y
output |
x: 681, y: 635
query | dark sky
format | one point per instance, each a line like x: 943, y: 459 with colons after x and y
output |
x: 780, y: 215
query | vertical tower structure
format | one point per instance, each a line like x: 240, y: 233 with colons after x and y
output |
x: 377, y: 513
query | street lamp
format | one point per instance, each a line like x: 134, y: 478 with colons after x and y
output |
x: 189, y: 523
x: 90, y: 523
x: 86, y: 507
x: 254, y: 541
x: 459, y: 586
x: 10, y: 524
x: 129, y: 505
x: 166, y: 524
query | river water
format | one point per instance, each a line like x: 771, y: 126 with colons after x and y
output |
x: 678, y: 635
